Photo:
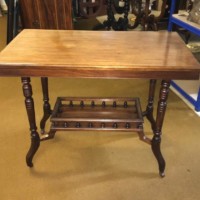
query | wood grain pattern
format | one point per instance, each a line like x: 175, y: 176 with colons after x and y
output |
x: 46, y: 14
x: 29, y: 14
x: 104, y: 54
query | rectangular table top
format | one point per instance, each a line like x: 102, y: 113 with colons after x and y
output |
x: 98, y: 54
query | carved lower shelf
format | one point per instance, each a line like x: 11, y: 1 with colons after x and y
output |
x: 109, y: 114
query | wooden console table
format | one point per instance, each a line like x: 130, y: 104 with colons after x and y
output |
x: 105, y: 55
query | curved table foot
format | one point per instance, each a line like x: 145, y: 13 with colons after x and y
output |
x: 35, y: 143
x: 43, y: 121
x: 155, y: 146
x: 49, y: 135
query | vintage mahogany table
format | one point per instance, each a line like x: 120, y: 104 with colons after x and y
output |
x: 102, y: 55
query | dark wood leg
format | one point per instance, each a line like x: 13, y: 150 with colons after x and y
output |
x: 46, y: 106
x: 49, y: 135
x: 156, y: 141
x: 149, y: 109
x: 35, y: 139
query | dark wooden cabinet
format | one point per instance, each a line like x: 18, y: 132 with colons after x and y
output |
x: 46, y: 14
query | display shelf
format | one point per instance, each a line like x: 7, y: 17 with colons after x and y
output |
x: 188, y: 90
x: 122, y: 114
x: 181, y: 20
x: 185, y: 88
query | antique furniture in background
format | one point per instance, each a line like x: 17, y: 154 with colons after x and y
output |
x: 92, y: 8
x: 142, y: 11
x: 46, y: 14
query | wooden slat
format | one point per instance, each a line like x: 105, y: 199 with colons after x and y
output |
x: 46, y: 14
x: 60, y: 14
x: 97, y: 116
x: 29, y: 13
x: 68, y: 22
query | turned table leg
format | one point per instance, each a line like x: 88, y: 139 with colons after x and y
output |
x: 156, y: 141
x: 29, y: 103
x: 149, y: 109
x: 46, y: 107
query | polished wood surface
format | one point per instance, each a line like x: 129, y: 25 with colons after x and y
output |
x: 104, y: 54
x: 46, y: 14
